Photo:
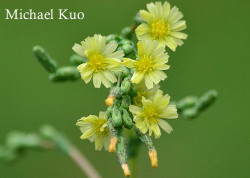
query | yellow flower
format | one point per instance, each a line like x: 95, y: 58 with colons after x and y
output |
x: 151, y: 115
x: 142, y: 91
x: 95, y: 129
x: 162, y: 24
x: 102, y: 60
x: 151, y: 60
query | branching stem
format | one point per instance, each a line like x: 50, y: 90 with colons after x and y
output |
x: 83, y: 163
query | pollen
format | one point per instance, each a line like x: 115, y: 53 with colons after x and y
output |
x: 145, y: 63
x: 96, y: 61
x: 159, y: 29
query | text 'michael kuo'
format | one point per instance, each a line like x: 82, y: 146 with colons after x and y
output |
x: 62, y: 14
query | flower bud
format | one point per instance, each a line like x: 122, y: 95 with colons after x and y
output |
x: 126, y: 85
x: 187, y: 102
x: 64, y: 74
x: 45, y: 60
x: 190, y: 113
x: 116, y: 117
x: 126, y: 32
x: 77, y: 60
x: 207, y: 99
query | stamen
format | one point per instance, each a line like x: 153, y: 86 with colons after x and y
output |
x: 159, y: 29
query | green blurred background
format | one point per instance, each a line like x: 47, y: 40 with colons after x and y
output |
x: 215, y: 56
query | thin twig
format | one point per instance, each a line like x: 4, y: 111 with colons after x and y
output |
x: 83, y: 163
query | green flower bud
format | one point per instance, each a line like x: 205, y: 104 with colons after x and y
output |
x: 64, y: 74
x: 207, y: 99
x: 116, y: 117
x: 126, y: 86
x: 190, y: 113
x: 126, y: 32
x: 45, y: 60
x: 126, y: 119
x: 113, y: 37
x: 126, y: 101
x: 17, y: 140
x: 110, y: 38
x: 117, y: 92
x: 77, y: 60
x: 125, y: 72
x: 127, y: 49
x: 187, y: 102
x: 137, y: 19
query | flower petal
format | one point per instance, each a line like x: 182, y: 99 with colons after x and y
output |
x: 97, y: 80
x: 130, y: 63
x: 165, y: 126
x: 78, y: 49
x: 135, y: 109
x: 137, y: 77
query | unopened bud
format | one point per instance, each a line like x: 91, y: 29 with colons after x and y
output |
x: 126, y: 32
x: 64, y: 74
x: 48, y: 63
x: 77, y: 60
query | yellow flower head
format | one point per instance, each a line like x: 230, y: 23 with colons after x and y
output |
x: 102, y: 60
x: 142, y: 91
x: 151, y: 60
x: 163, y: 24
x: 95, y: 129
x: 151, y: 115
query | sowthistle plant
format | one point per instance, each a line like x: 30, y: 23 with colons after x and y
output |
x: 137, y: 108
